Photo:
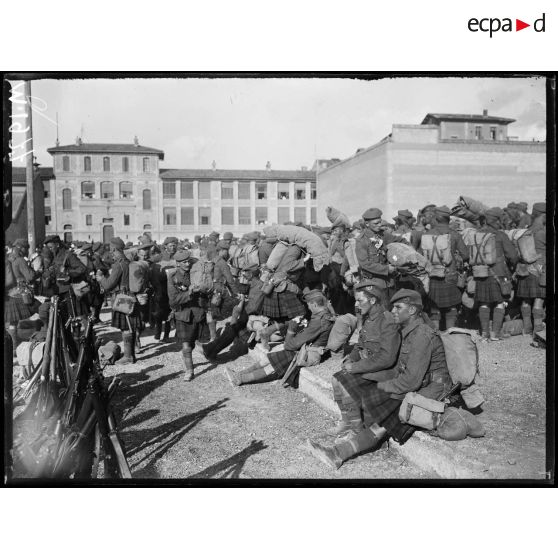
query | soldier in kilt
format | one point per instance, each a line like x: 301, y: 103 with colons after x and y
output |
x: 189, y: 310
x: 421, y: 367
x: 118, y: 282
x: 492, y: 292
x: 531, y: 289
x: 274, y: 365
x: 444, y: 295
x: 160, y: 308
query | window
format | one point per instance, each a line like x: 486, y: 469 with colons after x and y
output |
x: 283, y: 191
x: 313, y: 217
x: 300, y: 191
x: 147, y: 227
x: 47, y: 193
x: 67, y: 233
x: 313, y: 191
x: 226, y: 191
x: 261, y: 215
x: 87, y: 164
x: 125, y: 164
x: 89, y: 220
x: 244, y: 216
x: 106, y: 164
x: 126, y: 191
x: 66, y: 199
x: 146, y: 164
x: 492, y: 132
x: 126, y: 220
x: 187, y: 215
x: 478, y: 132
x: 244, y: 190
x: 169, y: 215
x: 65, y: 163
x: 300, y: 215
x: 205, y: 215
x: 107, y: 190
x: 204, y: 191
x: 88, y: 190
x: 283, y: 215
x: 186, y: 190
x: 169, y: 190
x: 48, y: 215
x: 261, y: 190
x: 227, y: 215
x: 146, y: 199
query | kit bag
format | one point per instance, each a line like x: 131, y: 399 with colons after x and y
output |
x: 308, y: 355
x: 513, y: 327
x: 138, y: 276
x: 524, y: 241
x: 462, y: 355
x: 482, y: 252
x: 124, y: 303
x: 201, y: 276
x: 437, y: 248
x: 421, y: 411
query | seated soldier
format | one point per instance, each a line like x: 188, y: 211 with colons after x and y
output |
x: 274, y: 365
x: 421, y: 367
x: 376, y: 350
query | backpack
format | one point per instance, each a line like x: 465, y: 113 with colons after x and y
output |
x: 524, y: 241
x: 437, y: 248
x: 482, y: 251
x: 201, y: 276
x: 9, y: 277
x: 138, y: 276
x: 83, y: 259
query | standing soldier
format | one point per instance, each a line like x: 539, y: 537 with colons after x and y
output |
x: 532, y: 288
x: 170, y: 245
x: 493, y: 291
x: 189, y: 310
x: 524, y: 218
x: 118, y: 281
x: 444, y: 294
x: 404, y: 222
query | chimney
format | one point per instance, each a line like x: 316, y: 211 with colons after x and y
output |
x: 484, y: 112
x: 214, y: 165
x: 78, y: 140
x: 268, y: 166
x: 136, y: 141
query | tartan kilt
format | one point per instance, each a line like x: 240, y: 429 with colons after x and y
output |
x: 15, y: 310
x: 282, y: 305
x: 377, y: 405
x: 528, y: 287
x: 119, y: 320
x: 443, y: 294
x: 190, y: 332
x: 281, y: 360
x: 487, y: 290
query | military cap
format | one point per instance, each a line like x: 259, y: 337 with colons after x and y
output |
x: 182, y: 255
x: 428, y: 207
x: 251, y: 236
x: 222, y: 245
x: 129, y: 244
x: 403, y: 214
x: 373, y: 286
x: 214, y: 234
x: 442, y: 210
x: 522, y: 206
x: 539, y: 209
x: 52, y: 238
x: 357, y: 225
x: 372, y: 213
x: 494, y: 213
x: 228, y: 236
x: 21, y: 242
x: 170, y: 240
x: 512, y: 205
x: 315, y: 296
x: 117, y: 242
x: 407, y: 296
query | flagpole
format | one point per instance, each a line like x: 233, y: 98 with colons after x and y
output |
x: 29, y: 171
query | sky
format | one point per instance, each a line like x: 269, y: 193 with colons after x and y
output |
x: 243, y: 123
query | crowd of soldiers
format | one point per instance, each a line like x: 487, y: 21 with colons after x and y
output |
x: 398, y: 349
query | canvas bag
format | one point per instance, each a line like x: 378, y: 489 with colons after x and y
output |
x: 201, y: 276
x: 437, y: 249
x: 421, y: 411
x: 524, y: 242
x: 124, y: 303
x: 462, y: 355
x: 138, y: 276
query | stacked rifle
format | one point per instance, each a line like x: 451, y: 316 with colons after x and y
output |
x: 72, y: 429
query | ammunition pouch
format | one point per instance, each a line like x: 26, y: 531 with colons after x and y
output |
x: 421, y: 411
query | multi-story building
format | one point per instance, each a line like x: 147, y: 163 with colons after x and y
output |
x: 103, y: 190
x: 446, y: 156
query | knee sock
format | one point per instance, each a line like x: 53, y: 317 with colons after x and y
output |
x: 497, y: 321
x: 538, y: 316
x: 256, y: 373
x: 451, y: 317
x: 526, y: 317
x: 363, y: 441
x: 484, y: 318
x: 13, y: 334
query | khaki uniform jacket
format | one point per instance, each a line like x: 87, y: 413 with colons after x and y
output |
x: 71, y: 265
x: 185, y: 304
x: 378, y: 344
x: 119, y: 276
x: 315, y: 333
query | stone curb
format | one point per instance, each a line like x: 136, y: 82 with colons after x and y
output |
x: 422, y: 450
